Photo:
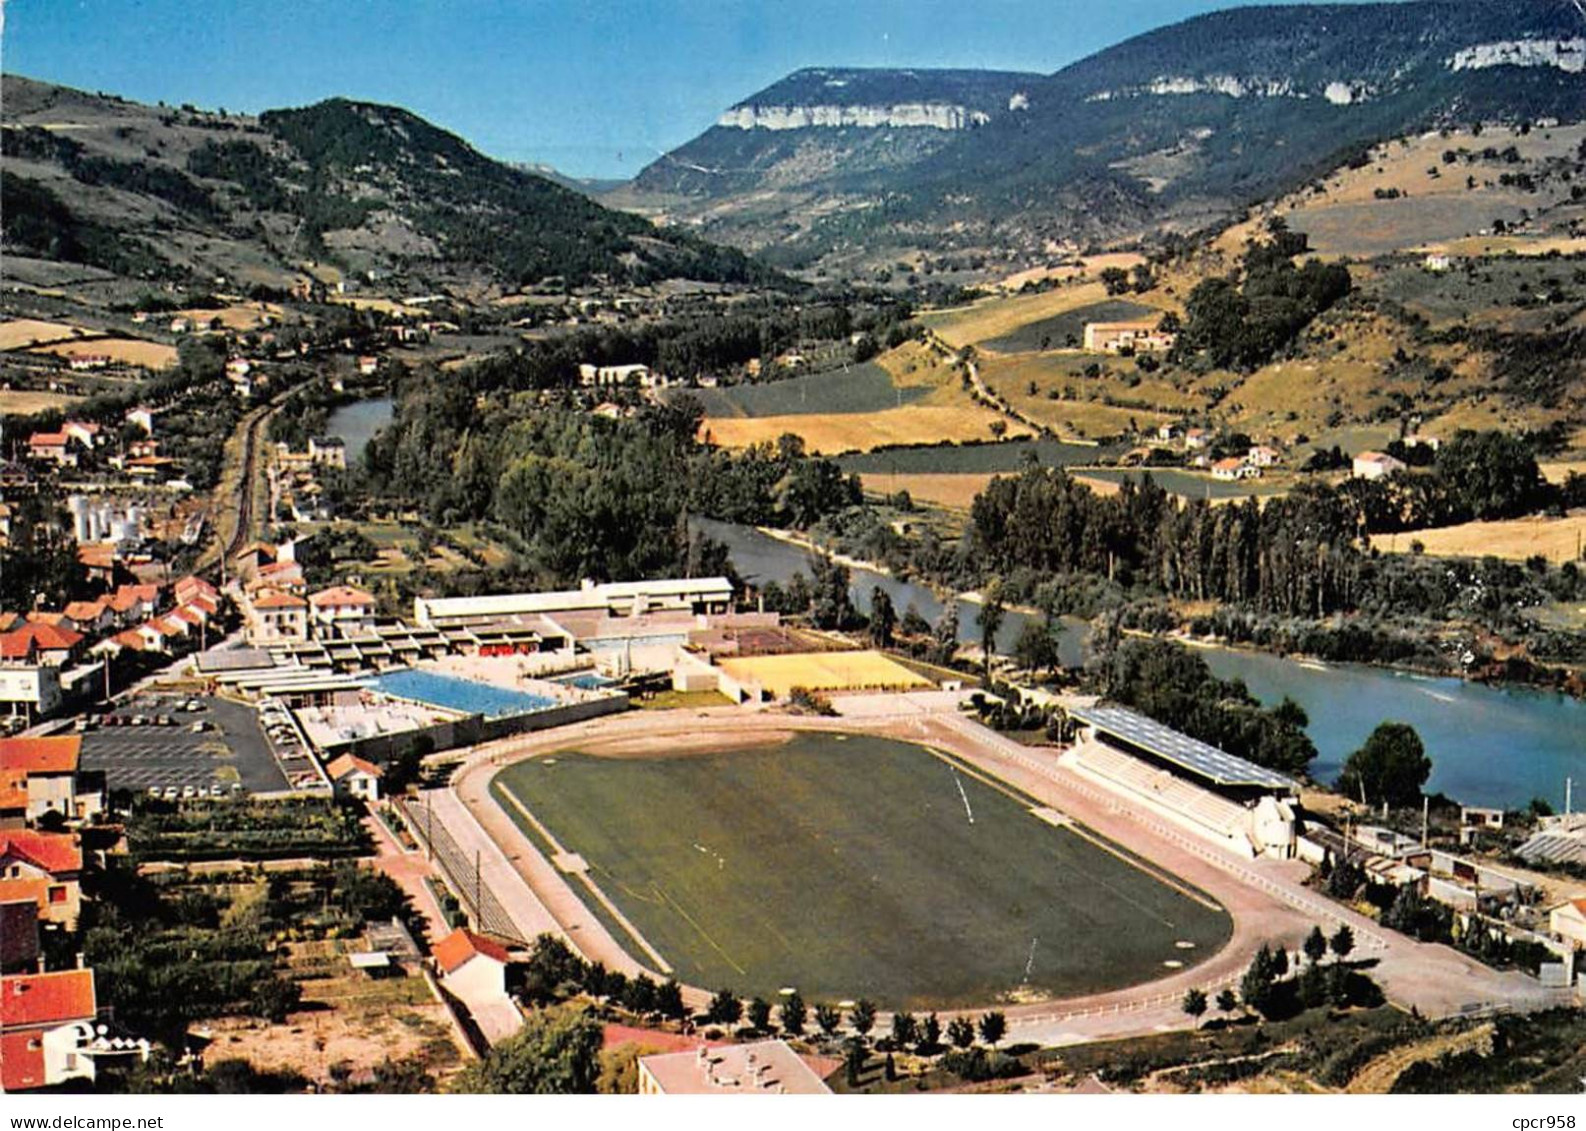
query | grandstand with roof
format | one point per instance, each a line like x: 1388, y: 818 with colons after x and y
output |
x: 1215, y: 795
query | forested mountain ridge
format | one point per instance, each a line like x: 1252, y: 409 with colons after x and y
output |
x: 167, y: 192
x: 1172, y: 128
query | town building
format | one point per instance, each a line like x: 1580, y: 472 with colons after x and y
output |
x: 758, y: 1068
x: 45, y: 868
x: 707, y: 595
x: 1233, y: 468
x: 1262, y: 456
x: 49, y: 766
x: 31, y: 1006
x: 341, y: 611
x: 277, y: 616
x: 52, y: 447
x: 1567, y: 922
x: 354, y: 778
x: 473, y: 965
x: 1375, y: 465
x: 595, y: 376
x: 1139, y: 337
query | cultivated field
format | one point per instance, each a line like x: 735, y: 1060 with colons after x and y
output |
x: 857, y: 388
x: 25, y: 402
x: 823, y: 671
x: 832, y: 433
x: 850, y: 866
x: 1558, y: 539
x: 998, y: 317
x: 977, y: 459
x: 123, y: 351
x: 1190, y: 484
x: 1067, y: 330
x: 955, y: 492
x: 240, y: 316
x: 20, y: 333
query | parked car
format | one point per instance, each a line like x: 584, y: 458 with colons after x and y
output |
x: 154, y: 791
x: 189, y: 791
x: 172, y: 793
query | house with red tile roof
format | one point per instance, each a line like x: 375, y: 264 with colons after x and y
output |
x: 83, y: 432
x: 190, y: 588
x: 52, y: 447
x: 274, y: 615
x: 341, y: 611
x: 48, y: 1031
x: 353, y: 777
x: 49, y: 767
x: 43, y: 643
x: 92, y: 618
x: 45, y: 867
x: 481, y: 961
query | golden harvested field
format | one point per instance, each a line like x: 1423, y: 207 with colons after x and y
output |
x: 20, y: 333
x: 1558, y: 472
x: 242, y: 317
x: 831, y: 433
x: 126, y: 351
x: 823, y: 671
x: 955, y: 491
x: 1091, y: 267
x: 25, y: 402
x: 994, y: 317
x: 1557, y: 539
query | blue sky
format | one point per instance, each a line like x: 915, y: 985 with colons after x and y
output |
x: 594, y: 87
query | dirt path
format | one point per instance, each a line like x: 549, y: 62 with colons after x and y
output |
x: 1378, y: 1076
x: 408, y: 870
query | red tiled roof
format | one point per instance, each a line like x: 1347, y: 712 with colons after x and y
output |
x: 21, y: 1062
x: 96, y: 556
x: 86, y: 611
x: 47, y: 637
x: 340, y: 767
x: 131, y: 638
x: 461, y: 945
x: 54, y: 852
x: 56, y: 754
x: 9, y: 621
x: 47, y: 440
x: 46, y: 1000
x: 280, y: 601
x: 341, y: 596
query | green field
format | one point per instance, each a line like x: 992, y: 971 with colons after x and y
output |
x: 1067, y: 330
x: 972, y: 459
x: 853, y: 388
x: 1192, y: 485
x: 849, y: 867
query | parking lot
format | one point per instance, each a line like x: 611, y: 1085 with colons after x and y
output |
x: 231, y: 748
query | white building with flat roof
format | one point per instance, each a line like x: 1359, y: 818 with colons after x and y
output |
x: 621, y: 599
x: 760, y: 1068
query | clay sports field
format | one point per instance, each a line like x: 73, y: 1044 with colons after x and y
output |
x: 854, y: 866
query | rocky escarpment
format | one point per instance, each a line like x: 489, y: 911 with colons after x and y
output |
x: 904, y: 115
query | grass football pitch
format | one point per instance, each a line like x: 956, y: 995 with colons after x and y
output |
x: 851, y: 867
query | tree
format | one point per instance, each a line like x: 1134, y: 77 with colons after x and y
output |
x: 832, y: 605
x: 1342, y: 942
x: 960, y: 1032
x: 1315, y: 945
x: 863, y: 1017
x: 992, y: 613
x: 552, y: 968
x: 724, y: 1008
x: 1227, y: 1000
x: 793, y: 1014
x: 947, y: 634
x: 883, y: 619
x: 1194, y: 1003
x: 930, y: 1034
x: 853, y: 1060
x: 1392, y: 766
x: 828, y: 1019
x: 759, y: 1015
x: 669, y: 1000
x: 556, y: 1052
x: 1115, y: 279
x: 993, y: 1026
x: 1255, y: 988
x: 1036, y: 648
x: 904, y: 1029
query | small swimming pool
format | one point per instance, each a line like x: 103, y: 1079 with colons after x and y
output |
x: 454, y: 694
x: 587, y: 681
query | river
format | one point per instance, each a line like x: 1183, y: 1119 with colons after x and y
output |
x: 1489, y: 745
x: 357, y: 422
